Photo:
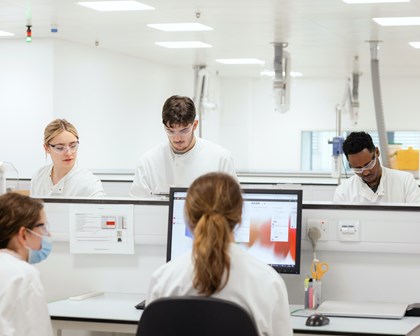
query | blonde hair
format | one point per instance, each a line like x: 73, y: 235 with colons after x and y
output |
x: 57, y: 126
x: 213, y: 208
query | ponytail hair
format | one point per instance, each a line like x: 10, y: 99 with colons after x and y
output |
x: 213, y: 208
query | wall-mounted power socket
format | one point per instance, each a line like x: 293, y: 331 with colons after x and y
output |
x: 320, y: 224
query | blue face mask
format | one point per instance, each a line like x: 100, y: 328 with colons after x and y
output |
x: 36, y: 256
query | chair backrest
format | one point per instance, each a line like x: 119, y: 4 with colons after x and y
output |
x: 195, y: 316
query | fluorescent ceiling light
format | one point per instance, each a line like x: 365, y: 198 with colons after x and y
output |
x: 114, y: 6
x: 184, y: 44
x: 398, y: 21
x: 415, y: 45
x: 372, y: 1
x: 4, y: 33
x: 240, y: 61
x: 180, y: 26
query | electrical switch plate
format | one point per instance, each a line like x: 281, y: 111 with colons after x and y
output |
x: 321, y: 224
x: 348, y: 230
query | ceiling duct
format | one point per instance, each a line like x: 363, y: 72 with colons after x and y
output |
x: 281, y: 84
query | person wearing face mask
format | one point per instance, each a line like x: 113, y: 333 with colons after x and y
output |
x: 64, y: 177
x: 24, y: 240
x: 183, y: 158
x: 371, y: 182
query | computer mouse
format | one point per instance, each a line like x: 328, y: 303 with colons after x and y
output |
x: 317, y: 320
x: 141, y: 305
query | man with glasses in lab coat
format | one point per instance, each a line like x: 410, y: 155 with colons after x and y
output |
x: 183, y: 158
x: 371, y: 182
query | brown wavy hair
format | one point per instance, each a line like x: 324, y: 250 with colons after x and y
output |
x: 178, y: 110
x: 213, y: 208
x: 17, y: 211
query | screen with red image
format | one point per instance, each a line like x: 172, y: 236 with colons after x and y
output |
x: 270, y: 229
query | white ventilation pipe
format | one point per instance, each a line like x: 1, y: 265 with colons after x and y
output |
x: 377, y: 98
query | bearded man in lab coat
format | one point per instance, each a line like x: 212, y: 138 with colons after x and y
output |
x: 183, y: 158
x: 373, y: 183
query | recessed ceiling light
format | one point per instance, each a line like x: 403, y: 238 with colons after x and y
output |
x: 184, y: 44
x: 415, y: 45
x: 5, y: 33
x: 114, y: 6
x: 180, y: 26
x: 372, y: 1
x: 398, y: 21
x: 240, y: 61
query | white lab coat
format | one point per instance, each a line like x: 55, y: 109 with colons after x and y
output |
x: 395, y: 186
x: 23, y: 307
x: 160, y: 168
x: 252, y: 284
x: 77, y: 182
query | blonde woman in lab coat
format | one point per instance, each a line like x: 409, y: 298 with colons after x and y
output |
x: 218, y: 267
x: 24, y: 239
x: 64, y: 177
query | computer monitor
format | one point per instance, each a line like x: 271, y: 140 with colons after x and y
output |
x: 270, y: 229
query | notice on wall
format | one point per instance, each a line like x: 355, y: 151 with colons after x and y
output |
x: 101, y: 229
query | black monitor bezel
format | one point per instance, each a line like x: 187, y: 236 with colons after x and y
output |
x: 278, y: 268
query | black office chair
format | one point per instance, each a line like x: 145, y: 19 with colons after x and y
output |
x: 195, y: 316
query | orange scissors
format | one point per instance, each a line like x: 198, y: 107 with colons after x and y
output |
x: 318, y: 269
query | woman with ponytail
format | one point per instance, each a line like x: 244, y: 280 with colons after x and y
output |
x: 219, y: 268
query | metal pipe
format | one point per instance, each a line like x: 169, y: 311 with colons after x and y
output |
x: 198, y: 91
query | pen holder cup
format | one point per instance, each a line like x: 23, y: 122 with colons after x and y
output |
x: 313, y: 295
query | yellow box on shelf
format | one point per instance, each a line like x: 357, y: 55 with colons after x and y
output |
x: 407, y: 159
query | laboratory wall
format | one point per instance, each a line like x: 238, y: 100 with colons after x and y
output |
x: 115, y: 101
x: 26, y: 102
x: 270, y: 141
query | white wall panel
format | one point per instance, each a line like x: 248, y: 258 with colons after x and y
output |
x: 383, y: 267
